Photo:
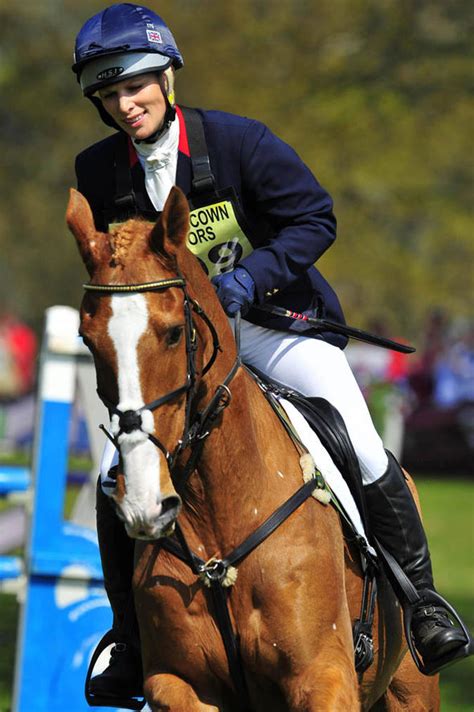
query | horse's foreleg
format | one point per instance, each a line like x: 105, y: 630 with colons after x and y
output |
x: 328, y: 685
x: 168, y: 693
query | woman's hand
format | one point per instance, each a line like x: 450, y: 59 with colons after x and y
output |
x: 236, y: 291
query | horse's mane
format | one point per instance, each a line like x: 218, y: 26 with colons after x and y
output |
x: 122, y: 237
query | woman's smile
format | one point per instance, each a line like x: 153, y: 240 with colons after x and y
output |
x: 136, y: 104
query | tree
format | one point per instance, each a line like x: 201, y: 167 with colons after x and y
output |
x: 373, y: 95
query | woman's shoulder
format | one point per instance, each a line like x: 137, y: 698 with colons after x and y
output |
x: 219, y: 121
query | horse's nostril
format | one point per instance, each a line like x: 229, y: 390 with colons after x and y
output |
x: 130, y: 420
x: 169, y: 503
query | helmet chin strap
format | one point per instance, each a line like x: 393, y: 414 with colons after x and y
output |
x: 166, y: 81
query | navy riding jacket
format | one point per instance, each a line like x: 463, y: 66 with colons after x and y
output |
x: 289, y: 217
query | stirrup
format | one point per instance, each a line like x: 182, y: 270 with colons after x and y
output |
x: 92, y: 700
x: 409, y: 599
x: 463, y: 651
x: 362, y: 629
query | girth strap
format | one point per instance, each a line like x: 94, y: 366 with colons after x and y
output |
x: 231, y: 644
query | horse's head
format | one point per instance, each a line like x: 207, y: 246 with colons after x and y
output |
x: 136, y: 320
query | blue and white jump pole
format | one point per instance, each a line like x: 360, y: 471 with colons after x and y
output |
x: 65, y: 611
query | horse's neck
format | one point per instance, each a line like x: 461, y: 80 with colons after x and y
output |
x: 247, y: 469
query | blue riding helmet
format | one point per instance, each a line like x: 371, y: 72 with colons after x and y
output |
x: 120, y: 42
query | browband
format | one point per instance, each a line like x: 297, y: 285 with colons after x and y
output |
x: 143, y: 287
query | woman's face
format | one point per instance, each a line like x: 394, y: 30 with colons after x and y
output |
x: 137, y: 104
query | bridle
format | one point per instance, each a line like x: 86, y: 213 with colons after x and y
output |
x: 195, y: 429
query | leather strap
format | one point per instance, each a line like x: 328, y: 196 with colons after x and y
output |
x: 127, y: 203
x: 203, y: 178
x: 125, y: 199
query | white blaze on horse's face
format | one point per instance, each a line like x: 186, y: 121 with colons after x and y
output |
x: 141, y: 506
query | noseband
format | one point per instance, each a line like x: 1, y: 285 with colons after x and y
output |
x: 195, y: 432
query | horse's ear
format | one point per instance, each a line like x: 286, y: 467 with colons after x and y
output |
x: 171, y: 230
x: 80, y: 221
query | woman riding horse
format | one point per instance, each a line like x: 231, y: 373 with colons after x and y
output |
x: 259, y: 221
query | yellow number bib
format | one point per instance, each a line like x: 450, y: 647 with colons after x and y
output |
x: 216, y: 238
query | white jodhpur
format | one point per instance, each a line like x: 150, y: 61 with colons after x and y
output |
x: 315, y: 368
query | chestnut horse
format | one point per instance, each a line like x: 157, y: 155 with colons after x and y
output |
x: 298, y: 593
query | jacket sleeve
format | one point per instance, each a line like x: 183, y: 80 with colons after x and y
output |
x: 288, y: 197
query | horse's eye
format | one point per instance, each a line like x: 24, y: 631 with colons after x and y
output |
x: 174, y: 335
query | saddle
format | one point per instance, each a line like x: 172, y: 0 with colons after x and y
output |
x: 327, y: 423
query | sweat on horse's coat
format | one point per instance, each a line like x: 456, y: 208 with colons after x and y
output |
x: 297, y: 593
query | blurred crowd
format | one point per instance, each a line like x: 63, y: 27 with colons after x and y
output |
x: 440, y: 373
x: 18, y: 347
x: 423, y: 403
x: 18, y: 367
x: 443, y: 373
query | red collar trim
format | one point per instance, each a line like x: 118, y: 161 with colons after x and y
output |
x: 132, y: 153
x: 183, y: 145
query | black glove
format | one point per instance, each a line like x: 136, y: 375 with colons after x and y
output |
x: 236, y: 290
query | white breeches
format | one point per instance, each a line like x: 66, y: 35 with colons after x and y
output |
x: 316, y: 368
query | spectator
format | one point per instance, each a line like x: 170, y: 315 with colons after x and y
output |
x: 454, y: 371
x: 18, y: 348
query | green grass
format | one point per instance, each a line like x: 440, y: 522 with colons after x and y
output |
x: 8, y: 624
x: 448, y: 510
x: 448, y: 507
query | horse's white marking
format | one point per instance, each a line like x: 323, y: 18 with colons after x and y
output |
x: 280, y: 474
x: 126, y: 326
x: 255, y: 511
x: 334, y: 626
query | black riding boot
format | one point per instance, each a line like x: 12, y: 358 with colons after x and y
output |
x: 123, y: 677
x: 396, y: 524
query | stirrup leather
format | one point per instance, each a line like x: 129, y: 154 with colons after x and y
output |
x: 362, y: 629
x: 130, y: 703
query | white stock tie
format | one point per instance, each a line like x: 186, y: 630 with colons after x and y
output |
x: 159, y: 160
